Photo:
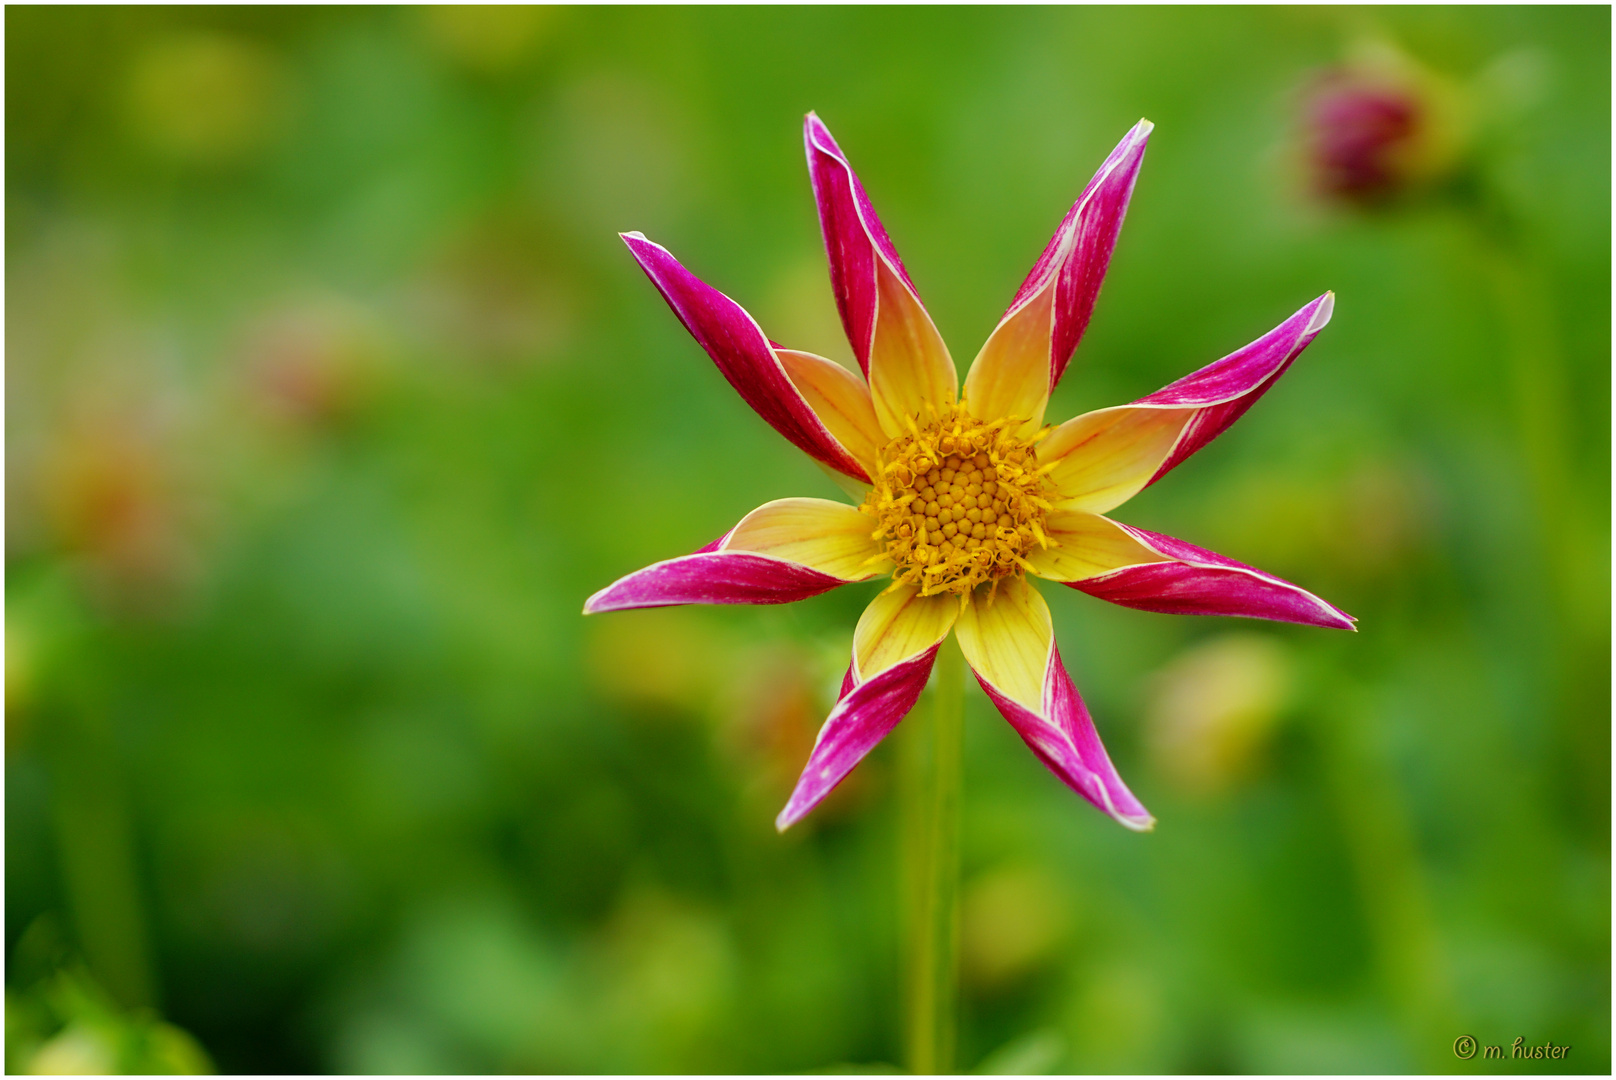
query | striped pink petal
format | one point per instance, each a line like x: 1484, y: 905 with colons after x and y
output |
x: 854, y: 237
x: 863, y: 716
x: 783, y: 551
x: 745, y: 356
x: 1103, y: 458
x: 1061, y: 734
x: 1224, y: 389
x: 1194, y: 581
x: 1023, y: 360
x: 893, y: 336
x: 1010, y: 645
x: 894, y: 647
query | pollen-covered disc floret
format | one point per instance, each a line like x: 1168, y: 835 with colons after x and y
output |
x: 960, y: 502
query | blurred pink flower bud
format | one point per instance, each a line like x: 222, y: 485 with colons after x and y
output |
x: 1381, y: 125
x: 1360, y: 134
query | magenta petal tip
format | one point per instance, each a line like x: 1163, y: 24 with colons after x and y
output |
x: 1075, y: 261
x: 1194, y: 581
x: 862, y: 717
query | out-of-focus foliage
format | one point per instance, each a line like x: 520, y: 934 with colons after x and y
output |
x: 62, y: 1023
x: 331, y: 395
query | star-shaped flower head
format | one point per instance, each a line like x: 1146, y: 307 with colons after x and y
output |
x: 966, y: 495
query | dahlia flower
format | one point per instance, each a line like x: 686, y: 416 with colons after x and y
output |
x: 965, y: 494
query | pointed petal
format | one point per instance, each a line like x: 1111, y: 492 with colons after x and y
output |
x: 897, y: 625
x: 1140, y: 569
x: 1108, y: 456
x: 893, y: 650
x: 1010, y: 376
x: 743, y: 354
x: 785, y: 550
x: 912, y: 376
x: 1010, y: 645
x: 897, y: 345
x: 855, y: 239
x: 841, y: 401
x: 860, y: 720
x: 1006, y: 640
x: 1027, y: 353
x: 1085, y: 545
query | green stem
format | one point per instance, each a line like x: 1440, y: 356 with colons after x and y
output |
x: 1383, y: 845
x: 1541, y: 385
x: 95, y: 839
x: 932, y: 811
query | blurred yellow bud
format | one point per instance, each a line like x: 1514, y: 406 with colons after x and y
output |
x: 19, y: 668
x: 1360, y: 528
x: 1213, y: 707
x: 206, y: 99
x: 1014, y: 920
x: 79, y: 1050
x: 488, y: 38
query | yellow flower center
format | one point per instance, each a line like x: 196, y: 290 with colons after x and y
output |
x: 960, y: 502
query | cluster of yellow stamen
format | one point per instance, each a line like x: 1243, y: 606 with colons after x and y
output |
x: 960, y: 503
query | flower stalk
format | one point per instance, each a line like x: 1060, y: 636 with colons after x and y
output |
x: 932, y: 768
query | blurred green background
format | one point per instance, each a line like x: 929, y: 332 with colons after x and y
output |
x: 331, y: 394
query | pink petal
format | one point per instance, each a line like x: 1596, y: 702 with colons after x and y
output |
x: 1078, y: 255
x: 744, y: 355
x: 713, y: 577
x: 785, y: 550
x: 1062, y: 736
x: 1201, y: 582
x: 1226, y: 388
x: 854, y: 237
x: 860, y: 720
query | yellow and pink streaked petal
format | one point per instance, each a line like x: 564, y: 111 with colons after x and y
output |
x: 1010, y: 645
x: 1010, y: 376
x: 1140, y: 569
x: 1104, y: 458
x: 864, y: 715
x: 1005, y: 637
x: 744, y: 355
x: 894, y: 648
x: 897, y: 345
x: 1086, y: 545
x: 783, y: 551
x: 840, y: 399
x: 899, y: 624
x: 1028, y: 351
x: 912, y: 377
